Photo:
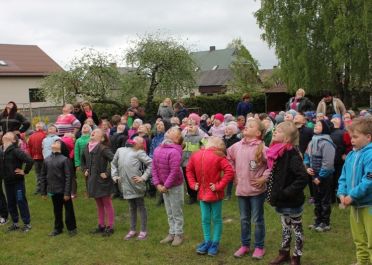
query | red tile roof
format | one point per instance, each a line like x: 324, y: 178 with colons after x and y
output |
x: 25, y: 60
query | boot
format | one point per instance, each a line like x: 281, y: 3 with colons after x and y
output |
x: 281, y: 258
x: 296, y: 260
x: 178, y: 239
x: 168, y: 239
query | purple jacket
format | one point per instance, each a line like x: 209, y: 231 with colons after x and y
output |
x: 166, y: 165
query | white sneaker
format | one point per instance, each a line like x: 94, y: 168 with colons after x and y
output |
x: 3, y: 221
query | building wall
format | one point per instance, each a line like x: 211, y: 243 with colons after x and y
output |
x: 17, y: 89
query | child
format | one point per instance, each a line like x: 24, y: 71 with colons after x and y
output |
x: 67, y: 122
x: 13, y: 159
x: 319, y: 160
x: 248, y: 157
x: 105, y: 127
x: 119, y: 138
x: 144, y: 133
x: 208, y: 173
x: 286, y: 189
x: 94, y: 163
x: 269, y: 128
x: 192, y: 140
x: 133, y: 130
x: 355, y: 185
x: 35, y: 149
x: 218, y: 128
x: 56, y: 180
x: 168, y: 179
x: 49, y: 140
x: 69, y: 140
x: 127, y: 169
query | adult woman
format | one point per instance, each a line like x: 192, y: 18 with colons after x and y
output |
x: 12, y: 121
x: 244, y: 107
x: 88, y: 112
x: 67, y: 122
x: 300, y: 103
x: 165, y: 110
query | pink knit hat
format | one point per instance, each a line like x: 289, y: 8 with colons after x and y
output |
x: 219, y: 117
x: 195, y: 117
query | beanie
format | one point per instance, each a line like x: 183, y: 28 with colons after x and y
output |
x: 219, y: 117
x: 195, y: 117
x: 326, y: 127
x: 228, y: 117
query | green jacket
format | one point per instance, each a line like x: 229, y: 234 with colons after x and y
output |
x: 80, y: 145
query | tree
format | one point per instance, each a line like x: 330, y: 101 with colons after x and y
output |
x: 92, y: 77
x: 165, y: 63
x: 244, y: 69
x: 320, y: 44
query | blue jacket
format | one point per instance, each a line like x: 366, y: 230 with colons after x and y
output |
x: 356, y: 177
x: 155, y: 142
x: 320, y: 155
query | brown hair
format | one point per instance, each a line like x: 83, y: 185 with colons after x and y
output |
x: 261, y: 128
x: 362, y: 125
x: 86, y: 103
x: 246, y: 96
x: 290, y: 130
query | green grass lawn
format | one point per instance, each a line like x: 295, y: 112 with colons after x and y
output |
x: 334, y: 247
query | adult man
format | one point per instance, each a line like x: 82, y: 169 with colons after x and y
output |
x: 330, y: 105
x: 139, y: 112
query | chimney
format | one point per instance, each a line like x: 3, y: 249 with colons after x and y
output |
x: 212, y: 48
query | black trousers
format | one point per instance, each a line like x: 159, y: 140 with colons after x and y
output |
x: 3, y: 205
x: 58, y: 203
x: 322, y: 195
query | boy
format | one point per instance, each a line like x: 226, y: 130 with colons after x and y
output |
x: 355, y: 187
x: 56, y: 180
x: 49, y: 140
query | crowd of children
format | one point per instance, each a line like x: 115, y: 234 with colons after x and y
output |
x: 269, y: 157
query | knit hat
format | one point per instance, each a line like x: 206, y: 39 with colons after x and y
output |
x: 219, y: 117
x: 326, y: 127
x: 228, y: 117
x: 195, y: 117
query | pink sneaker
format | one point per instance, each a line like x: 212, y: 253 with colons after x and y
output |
x: 243, y: 250
x: 142, y: 235
x: 258, y: 253
x: 130, y: 235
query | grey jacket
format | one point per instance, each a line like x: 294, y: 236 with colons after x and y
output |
x: 165, y: 112
x: 128, y: 163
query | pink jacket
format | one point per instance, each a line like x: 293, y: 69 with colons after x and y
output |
x: 166, y: 165
x: 241, y: 155
x: 217, y: 131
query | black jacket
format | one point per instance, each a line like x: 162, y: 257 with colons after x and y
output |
x: 56, y: 175
x: 16, y: 123
x: 82, y: 117
x: 306, y: 134
x: 181, y: 114
x: 230, y: 141
x: 11, y: 159
x: 304, y: 105
x: 118, y: 140
x: 289, y: 179
x: 337, y: 136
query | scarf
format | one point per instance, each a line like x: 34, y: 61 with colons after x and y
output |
x: 275, y: 151
x: 89, y: 114
x: 92, y: 145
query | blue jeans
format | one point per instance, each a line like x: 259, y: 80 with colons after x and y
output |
x: 16, y: 196
x: 211, y: 211
x: 252, y: 207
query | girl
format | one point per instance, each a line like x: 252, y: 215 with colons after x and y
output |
x: 127, y: 169
x: 204, y: 172
x: 67, y: 122
x: 94, y: 163
x: 218, y: 128
x: 248, y: 157
x: 168, y: 179
x: 133, y: 130
x: 13, y: 158
x: 286, y: 186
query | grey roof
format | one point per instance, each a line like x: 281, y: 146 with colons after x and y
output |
x: 206, y: 60
x: 214, y: 77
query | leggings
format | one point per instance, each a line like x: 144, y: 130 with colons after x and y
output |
x: 104, y: 207
x: 294, y: 223
x: 134, y: 204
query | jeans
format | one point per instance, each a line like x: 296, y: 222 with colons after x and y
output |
x: 173, y: 201
x: 3, y: 206
x: 16, y: 196
x: 211, y: 211
x: 252, y: 207
x: 58, y: 203
x: 134, y: 204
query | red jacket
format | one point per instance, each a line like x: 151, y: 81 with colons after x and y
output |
x: 35, y: 145
x: 207, y: 166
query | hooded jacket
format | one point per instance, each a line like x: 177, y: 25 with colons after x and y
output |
x: 356, y: 177
x: 207, y: 166
x: 35, y: 142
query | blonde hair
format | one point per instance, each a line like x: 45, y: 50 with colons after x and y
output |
x: 261, y: 128
x: 290, y: 131
x: 178, y: 139
x: 302, y: 91
x: 218, y: 143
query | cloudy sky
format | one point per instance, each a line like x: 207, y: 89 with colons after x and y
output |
x: 62, y: 28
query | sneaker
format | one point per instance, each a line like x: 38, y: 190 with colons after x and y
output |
x: 72, y: 232
x: 3, y: 221
x: 55, y: 233
x: 243, y: 250
x: 130, y: 235
x: 213, y: 249
x: 142, y: 235
x: 227, y: 198
x: 258, y: 253
x: 313, y: 226
x: 98, y: 230
x: 178, y: 239
x: 108, y: 232
x: 169, y: 238
x: 202, y: 248
x: 26, y: 228
x: 13, y: 227
x: 323, y: 228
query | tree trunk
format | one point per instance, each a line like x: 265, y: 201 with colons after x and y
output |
x: 153, y: 85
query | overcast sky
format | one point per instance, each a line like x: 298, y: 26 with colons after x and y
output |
x: 62, y: 28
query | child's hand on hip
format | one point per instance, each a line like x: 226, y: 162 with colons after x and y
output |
x: 259, y: 183
x: 196, y: 187
x: 103, y: 175
x: 137, y: 179
x: 19, y: 171
x: 212, y: 186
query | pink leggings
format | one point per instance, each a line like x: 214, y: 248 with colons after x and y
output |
x: 104, y: 205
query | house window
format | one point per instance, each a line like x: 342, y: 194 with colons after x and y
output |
x: 35, y: 95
